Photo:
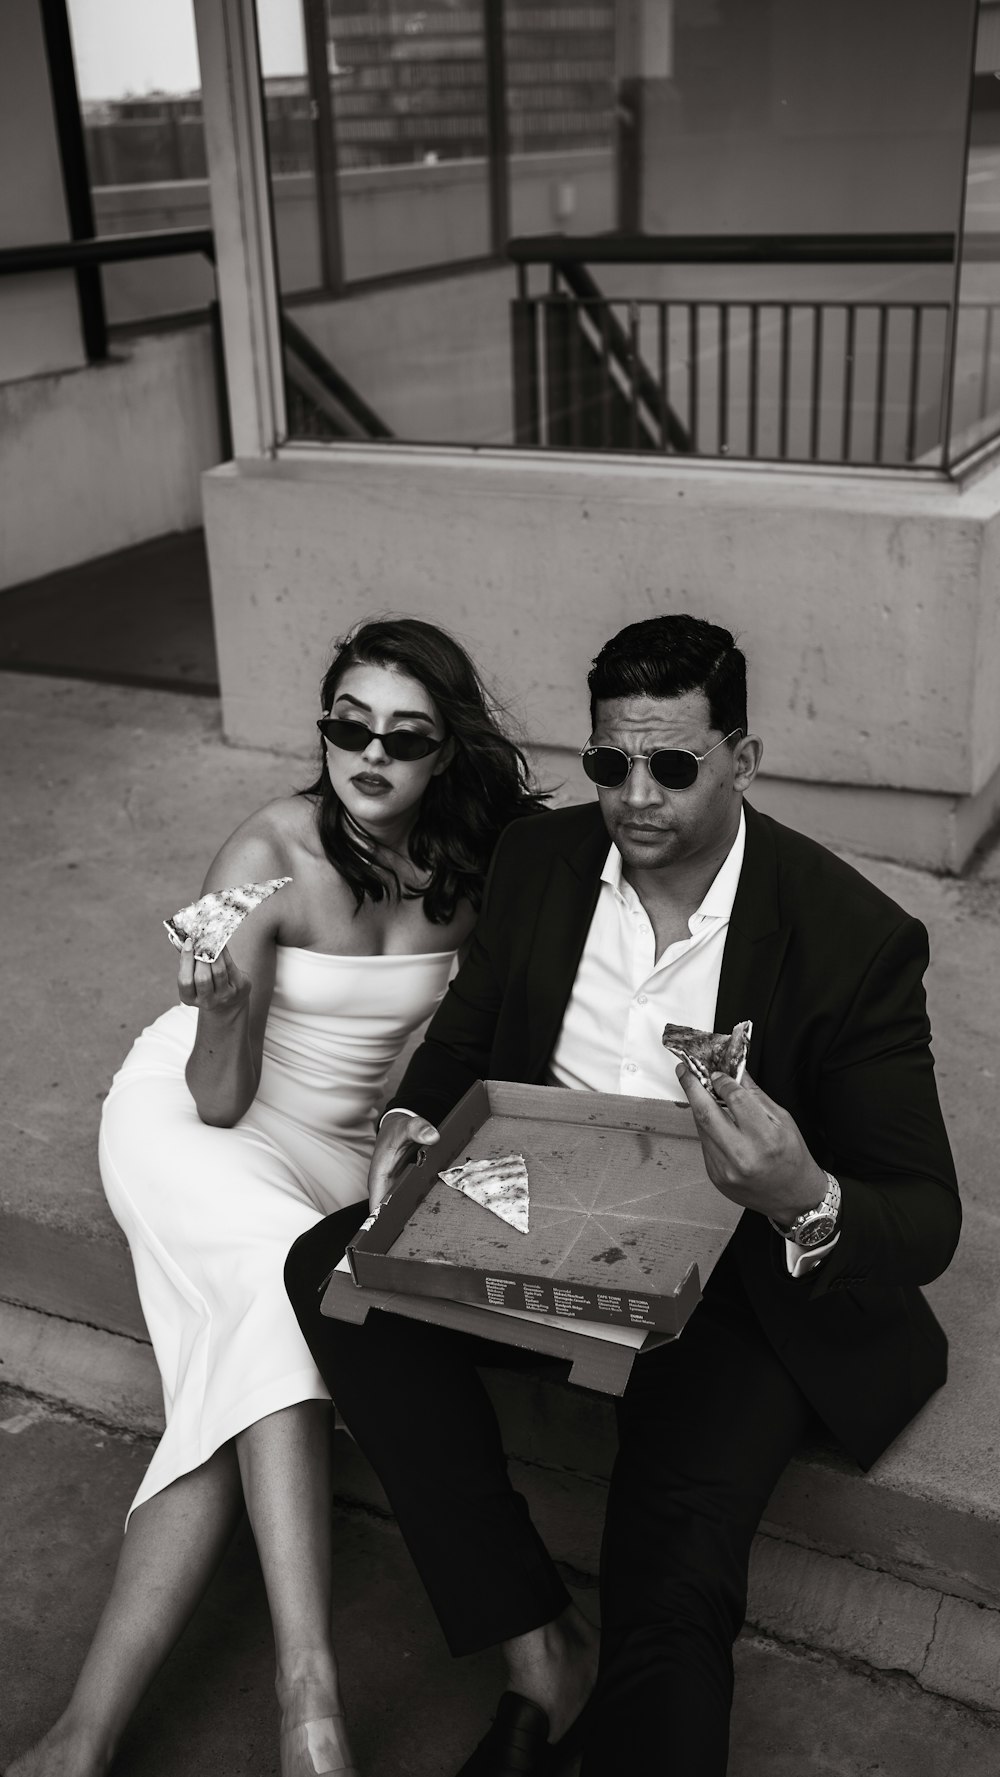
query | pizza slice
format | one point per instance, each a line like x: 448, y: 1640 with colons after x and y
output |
x: 211, y: 921
x: 499, y: 1184
x: 710, y: 1052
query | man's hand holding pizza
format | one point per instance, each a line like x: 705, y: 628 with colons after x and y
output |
x: 400, y: 1133
x: 754, y: 1153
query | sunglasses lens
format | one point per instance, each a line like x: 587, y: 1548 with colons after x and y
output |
x: 348, y: 737
x: 675, y: 770
x: 404, y: 743
x: 606, y: 766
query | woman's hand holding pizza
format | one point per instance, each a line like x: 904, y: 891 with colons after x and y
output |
x: 212, y: 987
x: 754, y: 1153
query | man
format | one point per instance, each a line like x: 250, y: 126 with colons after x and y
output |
x: 670, y: 901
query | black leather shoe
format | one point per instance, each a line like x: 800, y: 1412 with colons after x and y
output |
x: 517, y: 1744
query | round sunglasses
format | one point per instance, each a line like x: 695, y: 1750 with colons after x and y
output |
x: 675, y: 768
x: 399, y: 743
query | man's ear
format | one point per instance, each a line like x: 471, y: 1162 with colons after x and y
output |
x: 747, y: 755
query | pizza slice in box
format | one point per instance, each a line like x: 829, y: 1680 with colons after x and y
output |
x: 499, y: 1184
x: 211, y: 921
x: 709, y: 1052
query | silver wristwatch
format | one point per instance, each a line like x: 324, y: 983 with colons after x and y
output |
x: 814, y: 1227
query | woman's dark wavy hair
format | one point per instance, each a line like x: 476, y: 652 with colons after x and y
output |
x: 464, y: 808
x: 666, y: 656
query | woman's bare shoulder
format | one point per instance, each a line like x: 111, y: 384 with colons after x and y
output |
x: 269, y: 843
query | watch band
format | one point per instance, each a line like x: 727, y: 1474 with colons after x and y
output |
x: 814, y: 1226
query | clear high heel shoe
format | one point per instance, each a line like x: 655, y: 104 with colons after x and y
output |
x: 314, y: 1748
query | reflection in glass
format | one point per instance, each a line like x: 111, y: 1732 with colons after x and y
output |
x: 820, y: 148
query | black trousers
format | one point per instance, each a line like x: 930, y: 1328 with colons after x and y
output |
x: 706, y: 1426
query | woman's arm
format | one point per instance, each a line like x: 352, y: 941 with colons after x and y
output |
x: 232, y: 995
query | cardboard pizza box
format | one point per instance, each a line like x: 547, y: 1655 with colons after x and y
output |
x: 625, y: 1226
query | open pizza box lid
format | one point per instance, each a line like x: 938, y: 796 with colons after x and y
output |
x: 625, y: 1226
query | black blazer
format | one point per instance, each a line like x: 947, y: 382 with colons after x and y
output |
x: 831, y: 972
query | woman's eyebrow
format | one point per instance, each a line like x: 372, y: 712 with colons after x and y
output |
x: 412, y: 715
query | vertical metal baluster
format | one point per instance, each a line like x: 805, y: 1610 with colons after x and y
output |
x: 984, y: 381
x: 663, y: 355
x: 606, y: 418
x: 753, y: 391
x: 845, y: 445
x: 693, y: 374
x: 914, y: 389
x: 723, y: 379
x: 574, y: 390
x: 783, y: 383
x: 816, y: 392
x: 633, y: 374
x: 883, y: 329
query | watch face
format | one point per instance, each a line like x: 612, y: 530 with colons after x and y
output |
x: 822, y: 1229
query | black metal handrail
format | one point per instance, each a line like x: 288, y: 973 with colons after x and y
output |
x: 732, y: 249
x: 105, y: 250
x: 166, y: 243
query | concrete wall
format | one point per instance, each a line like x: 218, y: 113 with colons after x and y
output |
x: 39, y: 317
x: 96, y: 459
x: 867, y: 608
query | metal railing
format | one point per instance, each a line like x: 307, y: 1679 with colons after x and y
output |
x: 852, y: 380
x: 326, y: 405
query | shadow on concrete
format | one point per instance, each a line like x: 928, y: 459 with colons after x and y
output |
x: 142, y: 616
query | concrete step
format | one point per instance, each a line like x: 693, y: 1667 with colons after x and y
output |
x: 850, y: 1592
x: 414, y: 1711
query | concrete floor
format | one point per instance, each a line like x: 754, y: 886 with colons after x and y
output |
x: 414, y: 1711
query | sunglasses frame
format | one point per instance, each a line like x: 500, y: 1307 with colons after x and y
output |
x: 429, y: 744
x: 647, y: 759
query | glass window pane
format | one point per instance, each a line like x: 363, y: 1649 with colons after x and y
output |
x: 560, y: 74
x: 291, y: 142
x: 629, y: 123
x: 140, y: 100
x: 410, y: 124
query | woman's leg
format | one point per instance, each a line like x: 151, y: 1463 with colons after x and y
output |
x: 285, y: 1463
x: 172, y: 1546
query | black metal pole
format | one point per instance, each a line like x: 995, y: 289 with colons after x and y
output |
x: 325, y: 140
x: 76, y: 182
x: 497, y: 133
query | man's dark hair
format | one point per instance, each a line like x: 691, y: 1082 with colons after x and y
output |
x: 666, y: 656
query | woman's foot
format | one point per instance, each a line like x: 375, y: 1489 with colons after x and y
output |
x: 63, y: 1752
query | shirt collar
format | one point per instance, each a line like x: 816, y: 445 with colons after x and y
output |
x: 720, y: 894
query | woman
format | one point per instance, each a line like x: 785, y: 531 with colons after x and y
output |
x: 244, y: 1116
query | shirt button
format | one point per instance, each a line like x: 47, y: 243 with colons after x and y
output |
x: 640, y: 999
x: 629, y: 1067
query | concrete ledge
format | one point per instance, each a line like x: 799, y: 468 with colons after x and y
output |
x: 890, y: 1595
x: 99, y: 1375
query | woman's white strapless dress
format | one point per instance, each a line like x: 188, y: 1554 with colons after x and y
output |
x: 211, y: 1213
